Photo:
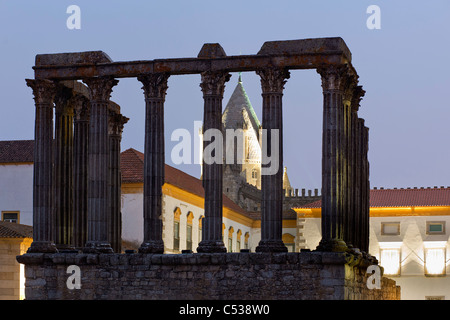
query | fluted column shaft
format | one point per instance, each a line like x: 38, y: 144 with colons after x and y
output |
x: 116, y: 123
x: 213, y: 86
x: 272, y: 84
x: 332, y: 159
x: 365, y: 187
x: 63, y: 167
x: 80, y: 171
x: 354, y: 234
x: 155, y: 87
x: 43, y: 220
x: 100, y: 91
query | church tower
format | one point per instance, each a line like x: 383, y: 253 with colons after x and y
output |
x: 242, y: 125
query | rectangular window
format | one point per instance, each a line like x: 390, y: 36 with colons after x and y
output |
x: 176, y: 235
x: 189, y: 237
x: 10, y: 216
x: 435, y: 227
x: 390, y: 260
x: 434, y: 261
x: 230, y: 245
x: 390, y: 228
x: 238, y: 245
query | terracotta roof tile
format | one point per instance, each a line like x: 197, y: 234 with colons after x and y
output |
x: 15, y: 230
x: 17, y: 151
x: 132, y: 167
x: 403, y: 198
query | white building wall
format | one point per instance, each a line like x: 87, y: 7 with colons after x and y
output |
x: 411, y: 241
x: 16, y: 190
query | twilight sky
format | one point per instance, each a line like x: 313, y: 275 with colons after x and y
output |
x: 404, y: 68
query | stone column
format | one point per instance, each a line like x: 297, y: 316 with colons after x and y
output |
x: 116, y: 123
x: 43, y: 221
x: 98, y: 157
x: 365, y: 186
x: 355, y: 236
x: 63, y: 167
x: 333, y: 80
x: 272, y: 84
x: 80, y: 170
x: 348, y: 166
x: 155, y: 87
x: 213, y: 86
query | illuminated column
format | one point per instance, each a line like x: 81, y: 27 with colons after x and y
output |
x: 98, y: 157
x: 213, y: 86
x: 63, y: 168
x: 272, y: 84
x: 155, y: 87
x: 333, y: 80
x: 80, y: 170
x: 43, y: 221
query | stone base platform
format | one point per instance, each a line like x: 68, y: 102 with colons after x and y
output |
x: 203, y: 276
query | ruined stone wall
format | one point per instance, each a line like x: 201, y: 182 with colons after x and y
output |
x: 242, y: 276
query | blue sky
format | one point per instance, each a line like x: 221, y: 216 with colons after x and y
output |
x: 403, y: 67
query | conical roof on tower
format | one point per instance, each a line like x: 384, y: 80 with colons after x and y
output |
x: 239, y: 109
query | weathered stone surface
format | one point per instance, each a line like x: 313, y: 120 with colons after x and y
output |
x: 60, y: 59
x: 240, y: 276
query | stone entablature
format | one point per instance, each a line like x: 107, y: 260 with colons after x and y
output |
x: 204, y: 276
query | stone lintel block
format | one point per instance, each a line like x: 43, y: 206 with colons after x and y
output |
x: 306, y: 46
x: 279, y: 258
x: 71, y: 58
x: 31, y: 258
x: 92, y: 258
x: 333, y: 258
x: 292, y: 257
x: 203, y: 258
x: 218, y: 258
x: 260, y: 258
x: 232, y: 258
x: 211, y: 50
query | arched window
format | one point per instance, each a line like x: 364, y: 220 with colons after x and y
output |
x: 247, y: 235
x: 189, y: 218
x: 289, y: 242
x: 200, y: 221
x: 238, y: 240
x: 230, y: 239
x: 176, y: 229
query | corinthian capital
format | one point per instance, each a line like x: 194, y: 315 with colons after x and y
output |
x: 44, y: 91
x: 100, y: 88
x: 155, y: 85
x: 334, y: 77
x: 273, y: 79
x: 116, y: 123
x: 213, y: 82
x: 358, y: 94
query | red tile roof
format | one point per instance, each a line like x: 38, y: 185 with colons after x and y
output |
x: 15, y: 230
x: 403, y: 198
x: 16, y: 151
x: 132, y: 167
